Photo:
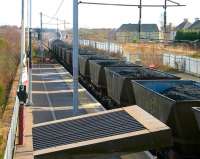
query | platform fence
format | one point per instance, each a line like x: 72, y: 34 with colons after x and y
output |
x: 10, y: 145
x: 106, y: 46
x: 183, y: 63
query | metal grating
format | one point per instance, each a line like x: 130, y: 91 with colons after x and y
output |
x: 84, y: 129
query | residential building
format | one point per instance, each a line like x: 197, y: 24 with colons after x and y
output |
x: 184, y: 25
x: 129, y: 32
x: 195, y: 25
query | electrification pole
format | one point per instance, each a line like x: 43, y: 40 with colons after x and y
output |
x: 64, y: 24
x: 165, y: 20
x: 28, y: 20
x: 22, y: 88
x: 109, y: 40
x: 57, y: 28
x: 23, y: 51
x: 30, y: 102
x: 138, y: 61
x: 165, y: 17
x: 140, y: 20
x: 75, y: 57
x: 41, y: 37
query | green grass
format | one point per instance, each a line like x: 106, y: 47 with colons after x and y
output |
x: 3, y: 43
x: 167, y: 69
x: 34, y: 53
x: 1, y: 95
x: 1, y: 142
x: 196, y: 55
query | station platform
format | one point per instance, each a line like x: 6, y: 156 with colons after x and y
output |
x: 53, y: 95
x: 52, y: 100
x: 123, y: 130
x: 52, y: 104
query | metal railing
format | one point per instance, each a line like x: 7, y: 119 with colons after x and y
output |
x: 183, y: 63
x: 106, y: 46
x: 10, y: 146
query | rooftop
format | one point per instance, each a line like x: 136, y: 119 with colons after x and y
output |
x: 135, y: 27
x: 184, y: 25
x: 195, y: 25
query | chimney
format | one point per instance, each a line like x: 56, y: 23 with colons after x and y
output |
x: 196, y: 19
x: 186, y: 20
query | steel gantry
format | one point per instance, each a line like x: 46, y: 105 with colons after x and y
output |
x: 140, y: 6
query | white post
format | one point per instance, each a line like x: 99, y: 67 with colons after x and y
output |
x: 22, y: 55
x: 30, y: 55
x: 64, y: 25
x: 28, y: 20
x: 75, y: 56
x: 109, y: 38
x: 41, y: 36
x: 57, y: 28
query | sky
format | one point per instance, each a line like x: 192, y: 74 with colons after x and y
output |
x: 92, y: 16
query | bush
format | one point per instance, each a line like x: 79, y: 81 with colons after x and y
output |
x: 3, y: 43
x: 187, y: 35
x: 9, y: 58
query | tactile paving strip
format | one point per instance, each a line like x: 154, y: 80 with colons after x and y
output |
x: 84, y: 129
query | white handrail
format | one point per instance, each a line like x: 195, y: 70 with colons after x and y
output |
x: 10, y: 146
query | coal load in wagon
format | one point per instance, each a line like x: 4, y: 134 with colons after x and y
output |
x: 119, y: 85
x: 97, y: 72
x: 172, y: 102
x: 84, y: 63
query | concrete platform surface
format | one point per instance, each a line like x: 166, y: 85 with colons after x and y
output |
x: 52, y: 101
x: 128, y: 129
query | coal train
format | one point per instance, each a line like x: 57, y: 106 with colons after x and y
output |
x: 165, y: 96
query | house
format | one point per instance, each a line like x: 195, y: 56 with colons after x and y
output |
x: 187, y: 26
x: 184, y: 25
x: 169, y: 34
x: 129, y: 32
x: 196, y: 25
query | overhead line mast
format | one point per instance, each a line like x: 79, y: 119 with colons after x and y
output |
x: 140, y: 6
x: 41, y: 36
x: 165, y: 17
x: 22, y: 54
x: 140, y: 20
x: 75, y: 57
x: 30, y: 102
